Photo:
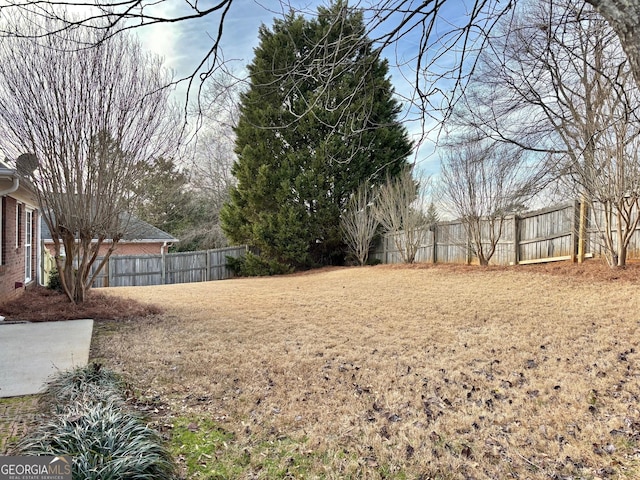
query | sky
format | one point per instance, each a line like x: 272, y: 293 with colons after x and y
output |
x: 184, y: 44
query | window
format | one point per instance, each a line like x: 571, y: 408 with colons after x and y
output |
x: 28, y: 241
x: 2, y: 229
x: 18, y: 224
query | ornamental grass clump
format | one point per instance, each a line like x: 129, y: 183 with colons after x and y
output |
x: 91, y: 422
x: 88, y: 384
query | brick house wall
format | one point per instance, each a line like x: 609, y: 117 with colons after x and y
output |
x: 139, y: 239
x: 124, y: 248
x: 13, y: 247
x: 137, y: 248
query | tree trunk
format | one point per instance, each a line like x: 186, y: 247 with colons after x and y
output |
x: 622, y: 256
x: 623, y: 17
x: 66, y: 269
x: 79, y: 292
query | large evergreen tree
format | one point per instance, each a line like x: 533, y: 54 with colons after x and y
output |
x: 169, y: 200
x: 162, y: 195
x: 312, y: 128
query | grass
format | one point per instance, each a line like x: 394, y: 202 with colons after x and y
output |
x: 17, y: 414
x: 92, y: 383
x: 207, y: 451
x: 89, y: 420
x: 393, y: 372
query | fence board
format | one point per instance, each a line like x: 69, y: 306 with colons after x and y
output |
x: 218, y: 261
x: 186, y: 267
x: 545, y: 235
x: 182, y: 267
x: 451, y: 243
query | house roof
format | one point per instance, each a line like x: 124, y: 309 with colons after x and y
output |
x: 137, y: 231
x: 14, y: 184
x: 5, y: 167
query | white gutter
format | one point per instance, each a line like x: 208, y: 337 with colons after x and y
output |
x: 166, y: 244
x: 16, y: 181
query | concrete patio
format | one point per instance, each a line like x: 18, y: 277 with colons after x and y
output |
x: 31, y: 352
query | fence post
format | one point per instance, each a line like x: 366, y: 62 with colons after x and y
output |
x: 575, y: 226
x: 163, y: 268
x: 105, y: 280
x: 516, y: 243
x: 110, y: 271
x: 207, y: 263
x: 434, y: 236
x: 582, y: 229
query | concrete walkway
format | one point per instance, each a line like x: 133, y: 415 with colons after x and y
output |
x: 31, y: 352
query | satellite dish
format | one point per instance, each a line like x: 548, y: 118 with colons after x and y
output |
x: 26, y: 164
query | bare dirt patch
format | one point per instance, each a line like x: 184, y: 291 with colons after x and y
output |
x: 398, y: 372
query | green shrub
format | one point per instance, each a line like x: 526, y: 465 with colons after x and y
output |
x: 251, y: 265
x: 104, y: 440
x: 235, y: 264
x: 54, y: 281
x: 91, y: 383
x: 89, y: 420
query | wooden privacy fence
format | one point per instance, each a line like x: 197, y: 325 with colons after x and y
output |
x: 168, y: 268
x: 542, y: 236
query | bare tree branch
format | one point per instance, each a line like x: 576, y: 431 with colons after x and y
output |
x: 563, y: 84
x: 359, y: 223
x: 446, y: 40
x: 399, y: 207
x: 89, y: 119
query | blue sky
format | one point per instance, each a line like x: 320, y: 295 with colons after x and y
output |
x: 184, y: 44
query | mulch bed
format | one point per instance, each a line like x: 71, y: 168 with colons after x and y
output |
x: 41, y: 304
x: 590, y: 270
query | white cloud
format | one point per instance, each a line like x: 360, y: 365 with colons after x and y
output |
x: 161, y: 40
x: 184, y: 44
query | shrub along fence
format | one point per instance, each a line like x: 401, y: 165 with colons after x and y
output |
x: 545, y: 235
x: 168, y: 268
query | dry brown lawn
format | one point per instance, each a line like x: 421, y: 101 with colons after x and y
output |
x: 401, y: 372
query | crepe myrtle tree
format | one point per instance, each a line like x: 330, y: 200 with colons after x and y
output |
x: 483, y: 182
x: 567, y: 91
x: 435, y: 32
x: 93, y: 119
x: 399, y: 207
x: 359, y: 223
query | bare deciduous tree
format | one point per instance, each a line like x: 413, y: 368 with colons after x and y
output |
x: 613, y: 190
x: 399, y: 207
x: 483, y: 183
x: 92, y: 118
x: 359, y: 223
x: 564, y: 85
x: 214, y: 155
x: 431, y: 25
